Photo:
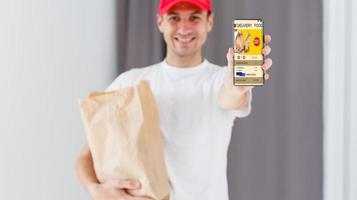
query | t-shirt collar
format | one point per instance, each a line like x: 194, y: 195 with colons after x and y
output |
x: 184, y: 70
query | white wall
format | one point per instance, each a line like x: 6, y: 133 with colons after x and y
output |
x: 52, y: 52
x: 340, y: 97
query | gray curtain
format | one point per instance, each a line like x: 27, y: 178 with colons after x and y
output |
x: 139, y: 41
x: 275, y: 153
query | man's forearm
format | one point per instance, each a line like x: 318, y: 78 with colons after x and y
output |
x: 85, y: 170
x: 233, y: 100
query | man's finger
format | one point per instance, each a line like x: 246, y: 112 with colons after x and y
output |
x: 126, y: 184
x: 266, y: 50
x: 230, y: 55
x: 130, y: 197
x: 267, y: 39
x: 266, y: 76
x: 140, y: 198
x: 267, y: 64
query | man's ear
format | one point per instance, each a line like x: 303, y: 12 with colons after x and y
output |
x: 160, y: 22
x: 210, y: 20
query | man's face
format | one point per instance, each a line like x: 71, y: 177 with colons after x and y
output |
x: 185, y: 28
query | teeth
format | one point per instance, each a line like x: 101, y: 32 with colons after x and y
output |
x: 184, y: 39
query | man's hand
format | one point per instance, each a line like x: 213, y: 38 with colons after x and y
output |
x: 111, y: 190
x: 114, y: 190
x: 233, y: 97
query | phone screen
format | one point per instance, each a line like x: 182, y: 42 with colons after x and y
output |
x: 248, y: 58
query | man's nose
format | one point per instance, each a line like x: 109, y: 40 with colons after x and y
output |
x: 185, y: 26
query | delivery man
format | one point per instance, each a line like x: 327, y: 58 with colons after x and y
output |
x: 197, y: 104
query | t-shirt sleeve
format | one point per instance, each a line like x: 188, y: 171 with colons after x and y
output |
x: 218, y: 82
x: 123, y: 80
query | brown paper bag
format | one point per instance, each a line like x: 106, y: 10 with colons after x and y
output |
x: 124, y: 137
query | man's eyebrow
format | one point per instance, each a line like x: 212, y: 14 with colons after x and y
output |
x: 197, y: 12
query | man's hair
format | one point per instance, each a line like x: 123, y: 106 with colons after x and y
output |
x: 208, y: 14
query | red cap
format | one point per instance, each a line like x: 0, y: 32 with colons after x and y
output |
x: 165, y: 5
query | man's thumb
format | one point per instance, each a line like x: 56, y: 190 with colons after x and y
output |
x: 230, y: 55
x: 126, y: 184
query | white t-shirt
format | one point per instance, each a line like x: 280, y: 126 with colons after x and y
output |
x: 195, y: 129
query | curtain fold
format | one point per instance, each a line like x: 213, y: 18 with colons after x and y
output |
x: 139, y: 42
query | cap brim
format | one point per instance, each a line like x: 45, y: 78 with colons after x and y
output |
x: 172, y: 3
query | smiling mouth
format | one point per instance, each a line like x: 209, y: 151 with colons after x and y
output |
x: 185, y: 39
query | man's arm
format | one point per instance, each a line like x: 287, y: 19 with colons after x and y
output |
x: 238, y: 97
x: 233, y: 97
x: 85, y: 170
x: 234, y: 100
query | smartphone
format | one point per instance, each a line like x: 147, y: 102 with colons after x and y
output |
x: 248, y: 42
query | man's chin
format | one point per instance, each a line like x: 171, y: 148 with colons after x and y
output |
x: 184, y: 53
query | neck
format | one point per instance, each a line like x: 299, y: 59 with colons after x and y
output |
x: 184, y: 61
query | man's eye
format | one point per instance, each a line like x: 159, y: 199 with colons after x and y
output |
x: 194, y: 18
x: 174, y: 18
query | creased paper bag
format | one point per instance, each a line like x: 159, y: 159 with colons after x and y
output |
x: 123, y: 133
